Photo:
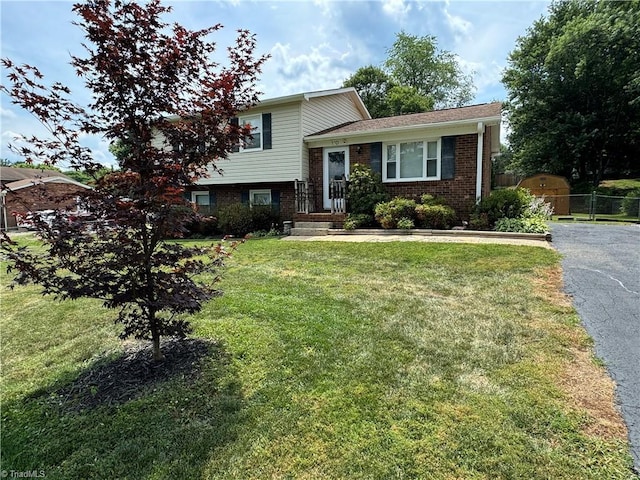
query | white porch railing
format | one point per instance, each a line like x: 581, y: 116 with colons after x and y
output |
x: 302, y: 194
x: 338, y: 195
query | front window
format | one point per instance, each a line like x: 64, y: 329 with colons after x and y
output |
x: 415, y: 160
x: 260, y: 197
x: 254, y: 141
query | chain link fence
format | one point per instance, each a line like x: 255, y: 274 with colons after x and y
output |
x: 599, y: 207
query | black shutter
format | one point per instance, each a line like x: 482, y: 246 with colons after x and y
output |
x: 187, y: 195
x: 235, y: 121
x: 275, y: 201
x: 448, y: 158
x: 266, y: 131
x: 212, y: 198
x: 244, y: 197
x: 376, y: 157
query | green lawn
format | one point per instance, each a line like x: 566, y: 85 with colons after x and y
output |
x: 329, y: 360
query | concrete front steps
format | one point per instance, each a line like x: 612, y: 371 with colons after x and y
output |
x: 311, y: 229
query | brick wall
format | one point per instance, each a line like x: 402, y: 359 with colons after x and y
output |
x: 459, y: 192
x: 229, y: 194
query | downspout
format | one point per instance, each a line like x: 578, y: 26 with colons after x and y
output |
x: 479, y: 161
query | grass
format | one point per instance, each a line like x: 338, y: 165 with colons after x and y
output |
x: 332, y: 360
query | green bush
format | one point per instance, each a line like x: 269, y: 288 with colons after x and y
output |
x: 405, y: 223
x: 428, y: 199
x: 436, y: 216
x: 239, y: 219
x: 505, y: 203
x: 357, y: 220
x: 202, y: 226
x: 389, y: 213
x: 365, y: 190
x: 631, y: 203
x: 522, y: 225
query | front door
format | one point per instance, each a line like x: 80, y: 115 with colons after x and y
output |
x: 336, y: 164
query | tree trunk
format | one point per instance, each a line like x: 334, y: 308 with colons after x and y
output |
x: 155, y: 338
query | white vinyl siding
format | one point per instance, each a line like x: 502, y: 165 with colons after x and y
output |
x: 320, y: 113
x: 280, y: 163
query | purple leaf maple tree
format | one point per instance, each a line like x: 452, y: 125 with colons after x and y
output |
x: 158, y: 93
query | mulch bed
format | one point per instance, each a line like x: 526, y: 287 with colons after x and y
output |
x: 113, y: 382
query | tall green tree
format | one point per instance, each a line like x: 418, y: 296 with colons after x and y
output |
x: 417, y: 62
x: 416, y: 77
x: 574, y: 92
x: 373, y: 85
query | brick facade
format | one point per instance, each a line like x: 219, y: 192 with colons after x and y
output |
x: 459, y: 192
x: 229, y: 194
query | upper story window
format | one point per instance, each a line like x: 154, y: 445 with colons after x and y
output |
x: 254, y: 141
x: 414, y: 160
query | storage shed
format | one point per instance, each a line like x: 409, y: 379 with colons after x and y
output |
x: 554, y: 188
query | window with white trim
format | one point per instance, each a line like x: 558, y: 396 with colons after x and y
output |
x: 412, y: 160
x: 260, y: 197
x: 200, y: 198
x: 254, y: 141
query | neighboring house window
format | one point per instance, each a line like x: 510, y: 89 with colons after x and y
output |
x: 259, y: 197
x: 254, y: 141
x: 415, y: 160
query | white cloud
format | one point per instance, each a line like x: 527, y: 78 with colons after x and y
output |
x: 460, y: 27
x: 396, y: 9
x: 7, y: 113
x: 319, y: 68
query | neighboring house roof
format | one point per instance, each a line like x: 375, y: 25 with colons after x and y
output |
x: 13, y: 174
x: 30, y: 182
x: 487, y: 112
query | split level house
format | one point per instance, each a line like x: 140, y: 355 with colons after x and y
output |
x: 303, y: 147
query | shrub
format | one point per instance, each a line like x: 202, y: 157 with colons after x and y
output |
x: 235, y: 219
x: 389, y: 213
x: 357, y: 220
x: 506, y: 203
x: 631, y: 203
x: 436, y: 216
x: 365, y: 190
x: 522, y: 225
x: 239, y: 219
x: 428, y: 199
x: 202, y: 226
x: 405, y: 223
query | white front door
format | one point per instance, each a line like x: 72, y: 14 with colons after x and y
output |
x: 336, y: 164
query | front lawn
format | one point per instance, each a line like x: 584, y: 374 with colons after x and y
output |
x: 324, y: 360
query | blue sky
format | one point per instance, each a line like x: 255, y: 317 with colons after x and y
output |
x: 314, y: 44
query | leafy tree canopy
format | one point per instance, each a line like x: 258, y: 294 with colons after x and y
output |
x: 574, y: 92
x: 35, y: 166
x: 157, y: 91
x: 415, y: 77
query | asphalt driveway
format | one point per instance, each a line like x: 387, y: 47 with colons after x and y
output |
x: 601, y: 266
